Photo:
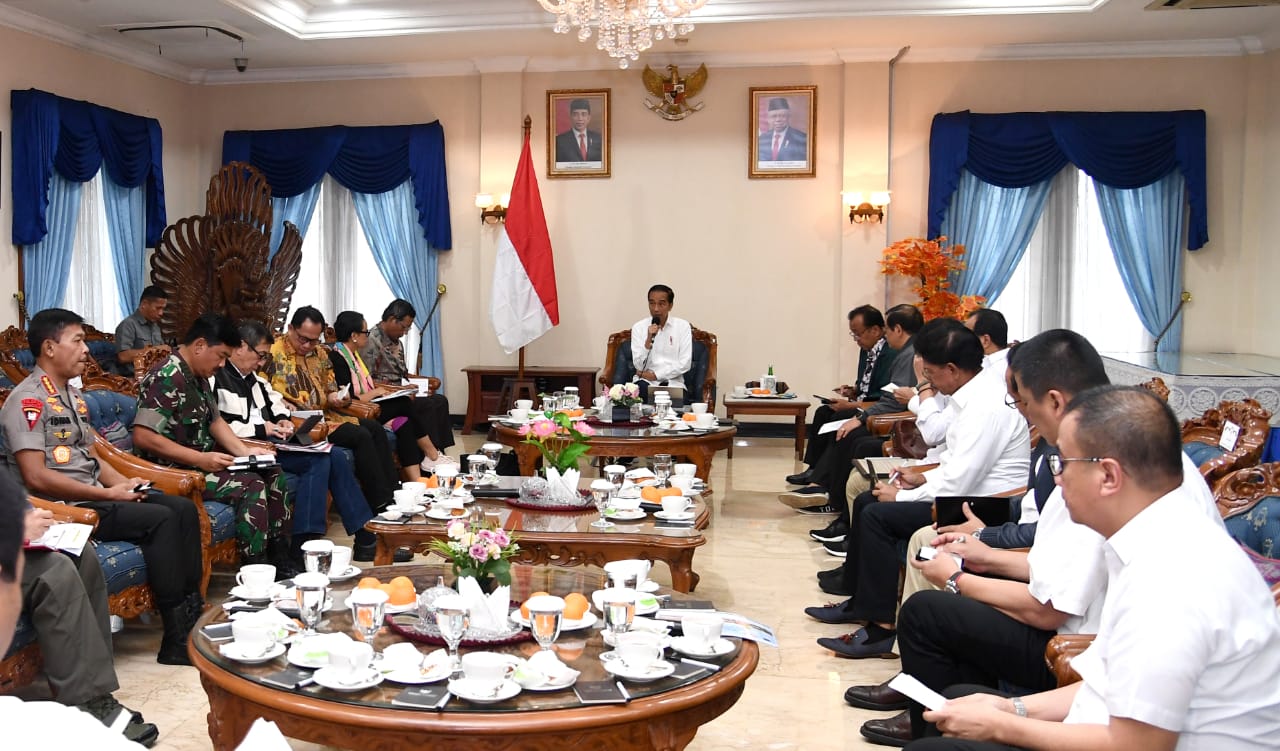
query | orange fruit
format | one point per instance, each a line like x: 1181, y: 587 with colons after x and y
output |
x: 401, y: 596
x: 671, y: 491
x: 403, y: 582
x: 430, y: 482
x: 524, y: 611
x: 575, y: 606
x: 369, y: 582
x: 760, y: 391
x: 689, y: 417
x: 651, y: 494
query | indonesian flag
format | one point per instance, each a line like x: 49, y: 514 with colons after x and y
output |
x: 524, y: 305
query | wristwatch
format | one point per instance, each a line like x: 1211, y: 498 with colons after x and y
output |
x: 1019, y: 708
x: 952, y: 584
x: 977, y: 533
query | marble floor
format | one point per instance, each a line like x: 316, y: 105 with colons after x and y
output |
x: 758, y: 561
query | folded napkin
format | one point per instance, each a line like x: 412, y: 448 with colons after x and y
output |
x: 650, y: 625
x: 563, y: 485
x: 641, y: 473
x: 542, y: 668
x: 487, y: 612
x: 268, y: 615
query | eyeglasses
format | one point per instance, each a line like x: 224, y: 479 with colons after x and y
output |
x: 856, y: 334
x: 1058, y: 463
x: 363, y: 331
x: 1012, y: 402
x: 307, y: 339
x: 262, y: 355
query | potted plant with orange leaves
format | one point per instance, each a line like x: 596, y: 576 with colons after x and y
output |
x: 929, y: 263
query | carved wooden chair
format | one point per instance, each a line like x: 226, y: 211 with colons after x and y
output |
x: 1158, y: 387
x: 144, y: 361
x: 220, y: 261
x: 16, y: 360
x: 1200, y: 438
x: 699, y: 381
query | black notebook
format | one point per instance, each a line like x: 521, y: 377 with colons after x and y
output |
x: 422, y: 697
x: 599, y: 692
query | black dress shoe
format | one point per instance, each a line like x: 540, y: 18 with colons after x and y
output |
x: 835, y: 587
x: 403, y: 555
x: 800, y: 478
x: 895, y: 731
x: 833, y: 532
x: 880, y: 698
x: 364, y: 553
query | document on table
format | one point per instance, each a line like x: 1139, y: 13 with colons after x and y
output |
x: 69, y: 538
x: 395, y: 395
x: 423, y: 385
x: 832, y: 426
x: 743, y: 627
x: 319, y: 447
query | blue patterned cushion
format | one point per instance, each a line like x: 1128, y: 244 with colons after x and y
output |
x: 122, y: 565
x: 5, y: 381
x: 105, y: 353
x: 222, y: 519
x: 118, y: 435
x: 1259, y: 528
x: 25, y: 359
x: 23, y: 635
x: 107, y: 408
x: 1199, y: 453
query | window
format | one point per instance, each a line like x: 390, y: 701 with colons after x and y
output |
x: 1068, y: 276
x: 338, y: 271
x: 91, y: 285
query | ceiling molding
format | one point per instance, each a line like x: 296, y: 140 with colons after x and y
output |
x: 339, y: 73
x: 1085, y: 50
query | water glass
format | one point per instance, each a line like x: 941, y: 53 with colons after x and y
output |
x: 367, y: 609
x: 601, y: 492
x: 615, y: 474
x: 662, y: 468
x: 312, y: 592
x: 453, y: 619
x: 317, y: 556
x: 619, y: 607
x: 446, y: 479
x: 478, y: 466
x: 546, y: 616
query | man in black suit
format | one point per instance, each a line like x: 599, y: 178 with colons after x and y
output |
x: 578, y: 144
x: 782, y: 143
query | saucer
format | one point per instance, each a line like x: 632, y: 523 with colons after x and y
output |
x: 408, y: 607
x: 664, y: 640
x: 650, y: 585
x: 679, y: 516
x: 675, y: 426
x: 587, y: 620
x: 240, y: 593
x: 351, y: 573
x: 645, y: 604
x: 303, y: 660
x: 466, y: 688
x: 408, y: 510
x: 413, y: 675
x: 627, y: 516
x: 685, y: 645
x: 336, y: 680
x: 554, y: 685
x: 656, y: 671
x: 441, y: 514
x: 235, y: 651
x: 288, y: 602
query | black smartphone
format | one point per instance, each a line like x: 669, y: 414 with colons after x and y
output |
x: 599, y: 692
x: 291, y: 677
x: 422, y: 697
x: 823, y: 399
x: 217, y: 631
x: 144, y: 487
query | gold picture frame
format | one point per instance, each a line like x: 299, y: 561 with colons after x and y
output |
x: 779, y: 145
x: 587, y: 155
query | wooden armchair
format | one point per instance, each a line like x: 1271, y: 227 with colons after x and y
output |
x: 1200, y: 438
x: 16, y: 359
x: 145, y: 360
x: 700, y: 380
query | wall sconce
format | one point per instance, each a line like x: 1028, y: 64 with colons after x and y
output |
x: 866, y: 211
x: 490, y: 212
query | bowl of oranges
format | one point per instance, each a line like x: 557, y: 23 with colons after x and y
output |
x: 577, y: 612
x: 401, y: 594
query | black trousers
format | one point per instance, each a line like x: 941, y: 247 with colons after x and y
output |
x: 935, y: 742
x: 871, y: 569
x: 832, y: 471
x: 374, y: 467
x: 425, y: 416
x: 947, y: 640
x: 817, y: 445
x: 167, y: 529
x: 66, y: 598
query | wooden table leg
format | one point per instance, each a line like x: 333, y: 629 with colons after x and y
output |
x: 683, y: 577
x: 473, y: 402
x: 228, y: 723
x: 799, y: 435
x: 528, y: 457
x: 701, y: 457
x: 728, y: 415
x: 383, y: 553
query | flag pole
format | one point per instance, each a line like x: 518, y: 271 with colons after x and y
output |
x: 526, y: 128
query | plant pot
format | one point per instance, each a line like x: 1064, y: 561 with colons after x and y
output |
x: 621, y: 414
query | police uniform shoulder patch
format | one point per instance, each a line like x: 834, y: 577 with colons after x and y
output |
x: 31, y: 409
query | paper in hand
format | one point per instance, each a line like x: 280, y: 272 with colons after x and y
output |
x: 917, y: 691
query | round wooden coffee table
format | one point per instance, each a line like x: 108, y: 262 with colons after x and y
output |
x: 697, y: 446
x: 664, y: 720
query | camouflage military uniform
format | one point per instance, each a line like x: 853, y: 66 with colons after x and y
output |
x: 180, y: 406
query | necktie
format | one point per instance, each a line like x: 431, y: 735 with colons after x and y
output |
x: 582, y: 145
x: 777, y: 141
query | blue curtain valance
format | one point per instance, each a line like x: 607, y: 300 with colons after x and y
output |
x: 1121, y: 149
x: 365, y: 160
x: 76, y: 139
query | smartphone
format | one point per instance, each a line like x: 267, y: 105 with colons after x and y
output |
x: 142, y: 487
x: 217, y: 631
x: 823, y: 399
x: 926, y: 554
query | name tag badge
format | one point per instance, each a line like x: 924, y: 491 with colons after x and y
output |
x: 1230, y: 434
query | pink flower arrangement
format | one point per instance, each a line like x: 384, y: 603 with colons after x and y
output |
x: 623, y: 394
x: 560, y: 439
x: 478, y: 550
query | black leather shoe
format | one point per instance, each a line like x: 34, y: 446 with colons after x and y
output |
x: 833, y: 574
x: 833, y: 532
x: 880, y: 698
x: 895, y: 731
x: 403, y: 555
x: 364, y: 553
x: 834, y: 587
x: 800, y: 478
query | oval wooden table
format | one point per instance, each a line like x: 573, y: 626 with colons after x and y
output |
x: 697, y: 446
x: 665, y: 721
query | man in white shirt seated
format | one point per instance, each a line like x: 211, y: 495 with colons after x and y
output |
x: 988, y: 452
x: 1188, y: 644
x: 662, y: 345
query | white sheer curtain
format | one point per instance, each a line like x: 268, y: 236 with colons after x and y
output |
x: 91, y: 288
x: 1068, y: 276
x: 338, y: 271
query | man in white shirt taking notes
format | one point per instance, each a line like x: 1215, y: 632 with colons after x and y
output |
x: 662, y: 345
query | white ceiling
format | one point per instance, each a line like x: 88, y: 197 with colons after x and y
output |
x: 316, y: 39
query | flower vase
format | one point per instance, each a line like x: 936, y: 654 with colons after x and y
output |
x: 563, y: 487
x: 486, y: 581
x: 621, y: 413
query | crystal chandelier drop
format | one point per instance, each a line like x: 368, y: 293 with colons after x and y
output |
x: 625, y: 28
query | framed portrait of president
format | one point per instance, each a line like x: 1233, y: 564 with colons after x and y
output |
x: 578, y: 133
x: 782, y: 131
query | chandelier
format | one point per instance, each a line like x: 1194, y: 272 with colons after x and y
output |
x: 625, y: 28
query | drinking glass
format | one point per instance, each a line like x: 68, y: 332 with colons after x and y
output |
x: 317, y: 557
x: 367, y: 612
x: 312, y: 592
x: 546, y: 616
x: 601, y: 492
x: 453, y: 619
x: 446, y: 479
x: 619, y: 609
x: 614, y: 474
x: 477, y: 464
x: 662, y: 468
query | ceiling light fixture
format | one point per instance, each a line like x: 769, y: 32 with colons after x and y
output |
x: 624, y: 28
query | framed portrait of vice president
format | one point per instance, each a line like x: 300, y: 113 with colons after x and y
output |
x: 782, y: 131
x: 578, y: 133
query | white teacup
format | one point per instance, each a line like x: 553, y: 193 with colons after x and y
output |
x: 684, y: 469
x: 417, y: 489
x: 519, y: 414
x: 702, y: 628
x: 256, y: 636
x: 525, y: 404
x: 406, y: 496
x: 638, y: 649
x: 256, y: 578
x: 674, y: 504
x: 625, y: 504
x: 698, y: 407
x: 488, y: 668
x: 704, y: 419
x: 627, y: 568
x: 351, y: 657
x: 341, y: 560
x: 680, y: 481
x: 739, y: 391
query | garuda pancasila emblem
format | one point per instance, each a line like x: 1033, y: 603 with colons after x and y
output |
x: 674, y: 91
